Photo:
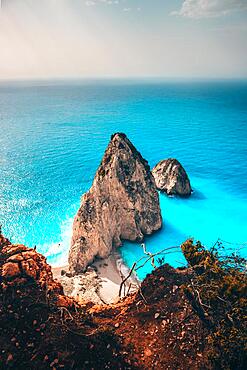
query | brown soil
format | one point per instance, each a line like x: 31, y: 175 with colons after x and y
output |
x: 155, y: 328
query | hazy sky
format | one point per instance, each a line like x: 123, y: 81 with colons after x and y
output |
x: 125, y: 38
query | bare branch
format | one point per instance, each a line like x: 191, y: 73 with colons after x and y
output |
x: 126, y: 278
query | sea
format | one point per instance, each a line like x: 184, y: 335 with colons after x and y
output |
x: 54, y: 134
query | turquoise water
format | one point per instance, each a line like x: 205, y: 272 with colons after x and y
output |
x: 53, y: 136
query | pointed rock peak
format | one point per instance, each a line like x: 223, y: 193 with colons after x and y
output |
x: 122, y: 204
x: 118, y: 136
x: 171, y: 177
x: 121, y: 157
x: 119, y: 141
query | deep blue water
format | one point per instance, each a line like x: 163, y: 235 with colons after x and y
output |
x: 53, y: 136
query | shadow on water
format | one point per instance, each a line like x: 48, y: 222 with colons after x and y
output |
x: 197, y: 195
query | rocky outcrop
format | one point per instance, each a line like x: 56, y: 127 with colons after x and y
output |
x: 21, y: 266
x: 38, y: 332
x: 122, y: 204
x: 171, y: 177
x: 192, y: 318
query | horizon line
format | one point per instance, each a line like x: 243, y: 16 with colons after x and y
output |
x: 126, y: 78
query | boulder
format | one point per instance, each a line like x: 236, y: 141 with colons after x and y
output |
x: 10, y: 270
x: 171, y: 177
x: 20, y: 265
x: 122, y: 204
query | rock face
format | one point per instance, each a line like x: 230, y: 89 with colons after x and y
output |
x: 171, y: 177
x: 122, y: 204
x: 21, y: 266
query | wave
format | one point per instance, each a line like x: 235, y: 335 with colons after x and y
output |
x: 57, y: 253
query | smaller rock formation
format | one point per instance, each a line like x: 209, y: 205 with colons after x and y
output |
x: 122, y: 204
x: 171, y: 177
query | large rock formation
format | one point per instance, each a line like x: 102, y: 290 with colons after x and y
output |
x: 122, y: 203
x: 171, y: 177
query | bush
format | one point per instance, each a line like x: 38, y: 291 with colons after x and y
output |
x: 218, y: 290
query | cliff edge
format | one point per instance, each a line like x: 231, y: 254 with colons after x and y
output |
x: 190, y: 318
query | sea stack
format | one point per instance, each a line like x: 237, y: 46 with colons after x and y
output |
x: 171, y: 177
x: 122, y: 204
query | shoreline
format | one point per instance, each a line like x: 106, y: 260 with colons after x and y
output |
x: 100, y: 283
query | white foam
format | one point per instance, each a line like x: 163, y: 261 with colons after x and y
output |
x: 57, y: 253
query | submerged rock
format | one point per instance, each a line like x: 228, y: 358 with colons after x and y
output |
x: 123, y: 203
x: 171, y: 177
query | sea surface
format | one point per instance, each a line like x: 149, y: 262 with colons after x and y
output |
x: 54, y: 133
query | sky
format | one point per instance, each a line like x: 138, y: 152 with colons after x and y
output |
x: 123, y: 38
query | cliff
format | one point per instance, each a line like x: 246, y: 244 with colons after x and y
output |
x: 21, y: 266
x: 180, y: 319
x: 122, y: 204
x: 171, y: 177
